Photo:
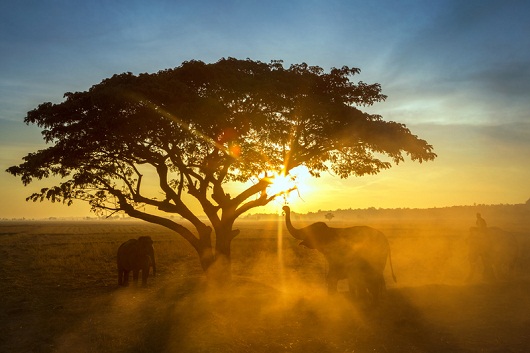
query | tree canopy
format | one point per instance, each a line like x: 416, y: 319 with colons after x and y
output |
x: 200, y: 126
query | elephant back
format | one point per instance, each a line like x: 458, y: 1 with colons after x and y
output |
x: 367, y: 238
x: 127, y: 246
x: 131, y: 256
x: 504, y: 245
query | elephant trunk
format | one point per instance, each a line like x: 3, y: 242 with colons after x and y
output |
x: 297, y: 233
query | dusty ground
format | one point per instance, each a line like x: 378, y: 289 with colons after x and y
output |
x: 59, y: 294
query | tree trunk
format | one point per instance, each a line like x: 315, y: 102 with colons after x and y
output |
x: 216, y: 264
x: 221, y: 271
x: 206, y: 257
x: 204, y: 248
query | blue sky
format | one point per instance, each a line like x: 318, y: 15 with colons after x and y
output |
x: 456, y: 72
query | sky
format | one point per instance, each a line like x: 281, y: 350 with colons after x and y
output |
x: 457, y: 73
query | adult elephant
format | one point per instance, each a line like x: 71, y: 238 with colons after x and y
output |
x: 358, y: 254
x: 495, y: 251
x: 135, y: 255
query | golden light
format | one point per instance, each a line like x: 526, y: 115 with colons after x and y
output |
x: 281, y: 184
x: 289, y: 187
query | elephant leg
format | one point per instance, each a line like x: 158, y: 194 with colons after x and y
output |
x: 120, y: 277
x: 356, y: 286
x: 356, y: 280
x: 361, y: 288
x: 488, y: 270
x: 503, y: 270
x: 125, y: 277
x: 481, y: 268
x: 145, y: 275
x: 475, y: 265
x: 505, y: 267
x: 135, y: 275
x: 375, y: 283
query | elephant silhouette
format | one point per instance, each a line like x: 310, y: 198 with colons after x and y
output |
x: 135, y: 255
x: 495, y: 251
x: 358, y: 254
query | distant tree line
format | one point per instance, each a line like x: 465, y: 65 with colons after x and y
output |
x: 517, y: 212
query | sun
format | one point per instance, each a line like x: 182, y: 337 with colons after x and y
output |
x: 290, y: 187
x: 295, y: 189
x: 281, y: 183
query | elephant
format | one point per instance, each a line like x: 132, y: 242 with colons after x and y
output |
x: 493, y: 249
x: 135, y: 255
x: 357, y: 254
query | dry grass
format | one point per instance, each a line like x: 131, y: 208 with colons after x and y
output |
x: 59, y: 294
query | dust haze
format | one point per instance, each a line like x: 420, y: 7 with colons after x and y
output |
x: 278, y: 301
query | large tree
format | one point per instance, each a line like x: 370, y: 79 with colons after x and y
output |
x: 199, y: 127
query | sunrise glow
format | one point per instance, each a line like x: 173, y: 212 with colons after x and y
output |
x: 290, y: 188
x: 179, y: 131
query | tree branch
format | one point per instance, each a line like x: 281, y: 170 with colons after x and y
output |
x: 131, y: 211
x: 260, y: 186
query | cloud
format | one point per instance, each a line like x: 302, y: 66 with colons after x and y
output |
x: 464, y: 34
x: 470, y: 62
x: 510, y: 80
x: 514, y: 135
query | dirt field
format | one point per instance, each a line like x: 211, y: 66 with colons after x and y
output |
x: 59, y: 293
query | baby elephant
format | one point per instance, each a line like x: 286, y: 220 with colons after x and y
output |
x: 135, y: 255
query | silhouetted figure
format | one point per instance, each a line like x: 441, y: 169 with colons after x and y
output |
x: 481, y: 223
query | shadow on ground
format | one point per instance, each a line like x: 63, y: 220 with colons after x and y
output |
x: 187, y: 316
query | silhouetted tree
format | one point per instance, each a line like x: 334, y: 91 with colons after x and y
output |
x: 199, y: 126
x: 329, y: 216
